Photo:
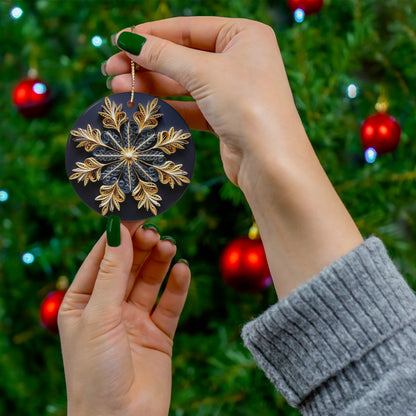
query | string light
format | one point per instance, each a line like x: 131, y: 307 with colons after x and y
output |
x: 370, y: 155
x: 299, y: 15
x: 97, y: 41
x: 16, y: 13
x: 4, y: 195
x: 39, y: 88
x: 352, y: 91
x: 28, y: 258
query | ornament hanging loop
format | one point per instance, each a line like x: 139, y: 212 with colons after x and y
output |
x: 133, y: 79
x: 253, y: 233
x: 62, y: 283
x: 382, y: 104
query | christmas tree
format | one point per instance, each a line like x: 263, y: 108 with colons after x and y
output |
x: 341, y: 61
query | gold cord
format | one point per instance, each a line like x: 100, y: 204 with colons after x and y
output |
x: 133, y: 79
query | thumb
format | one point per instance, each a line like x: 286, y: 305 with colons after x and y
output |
x: 180, y: 63
x: 115, y: 267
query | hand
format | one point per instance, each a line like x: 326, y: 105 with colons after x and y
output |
x: 234, y: 71
x: 117, y: 352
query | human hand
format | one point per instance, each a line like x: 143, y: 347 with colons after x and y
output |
x: 234, y: 71
x: 117, y: 352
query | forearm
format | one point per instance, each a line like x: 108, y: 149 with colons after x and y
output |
x: 303, y: 223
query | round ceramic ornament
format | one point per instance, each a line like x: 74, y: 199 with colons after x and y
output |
x: 130, y: 155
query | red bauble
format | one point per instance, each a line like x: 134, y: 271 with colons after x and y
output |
x: 32, y: 98
x: 381, y: 132
x: 244, y: 266
x: 308, y: 6
x: 49, y: 310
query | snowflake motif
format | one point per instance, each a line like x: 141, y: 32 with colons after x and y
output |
x: 129, y: 157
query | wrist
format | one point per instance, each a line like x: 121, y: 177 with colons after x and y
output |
x: 303, y: 223
x: 274, y: 150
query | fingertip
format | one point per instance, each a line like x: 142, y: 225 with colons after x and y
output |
x: 181, y: 274
x: 184, y: 261
x: 113, y: 231
x: 167, y: 247
x: 132, y: 226
x: 113, y: 38
x: 104, y: 68
x: 118, y: 64
x: 117, y: 234
x: 120, y: 83
x: 146, y: 233
x: 169, y: 238
x: 151, y: 227
x: 131, y: 42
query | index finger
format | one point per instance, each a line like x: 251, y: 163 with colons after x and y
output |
x: 197, y: 32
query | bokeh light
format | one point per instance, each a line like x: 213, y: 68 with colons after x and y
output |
x: 97, y: 41
x: 352, y: 91
x: 16, y: 12
x: 370, y: 155
x: 299, y: 15
x: 4, y: 195
x: 39, y: 88
x: 28, y: 258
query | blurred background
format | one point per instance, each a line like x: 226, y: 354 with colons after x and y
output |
x: 347, y: 60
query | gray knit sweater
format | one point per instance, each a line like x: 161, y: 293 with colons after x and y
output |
x: 345, y: 342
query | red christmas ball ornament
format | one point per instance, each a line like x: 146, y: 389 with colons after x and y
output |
x: 49, y: 309
x: 32, y: 98
x: 244, y: 266
x: 308, y: 6
x: 381, y: 132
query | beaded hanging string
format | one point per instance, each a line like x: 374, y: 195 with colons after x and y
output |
x: 133, y: 79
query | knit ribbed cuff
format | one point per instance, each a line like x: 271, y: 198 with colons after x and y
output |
x: 345, y: 324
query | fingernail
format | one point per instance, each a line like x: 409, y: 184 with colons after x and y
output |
x: 113, y: 231
x: 168, y: 237
x: 104, y: 69
x: 131, y: 42
x: 150, y: 227
x: 183, y: 261
x: 114, y: 39
x: 108, y: 82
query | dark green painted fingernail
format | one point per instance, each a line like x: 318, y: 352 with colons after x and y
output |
x: 113, y: 231
x: 108, y: 82
x: 168, y: 237
x: 183, y: 261
x: 131, y: 42
x: 150, y: 227
x: 104, y: 69
x: 114, y: 39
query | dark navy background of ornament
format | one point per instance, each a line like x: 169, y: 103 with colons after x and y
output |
x: 128, y: 208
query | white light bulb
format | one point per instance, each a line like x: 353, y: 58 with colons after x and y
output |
x: 4, y: 195
x: 370, y: 155
x: 16, y: 12
x: 299, y: 15
x: 28, y: 258
x: 39, y: 88
x: 97, y: 41
x: 352, y: 91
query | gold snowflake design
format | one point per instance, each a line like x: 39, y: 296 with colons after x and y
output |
x: 129, y: 157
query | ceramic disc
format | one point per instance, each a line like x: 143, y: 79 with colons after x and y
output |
x: 131, y: 161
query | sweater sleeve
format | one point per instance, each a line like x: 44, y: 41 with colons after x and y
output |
x: 344, y: 343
